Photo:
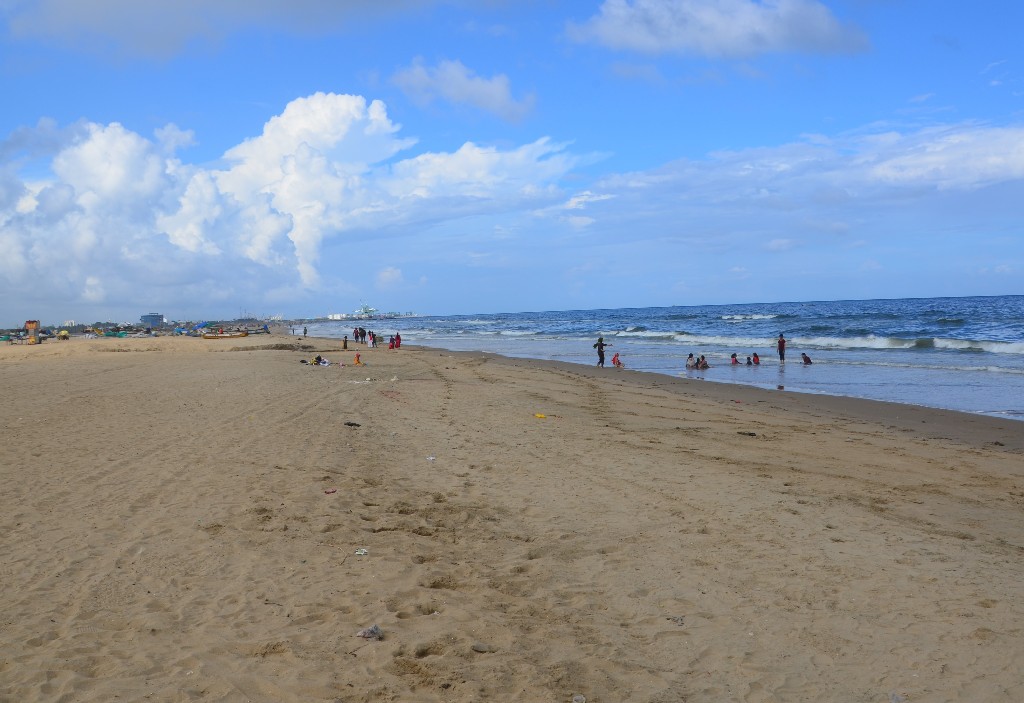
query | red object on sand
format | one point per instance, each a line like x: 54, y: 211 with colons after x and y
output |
x: 331, y: 490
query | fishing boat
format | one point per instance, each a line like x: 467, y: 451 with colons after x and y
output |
x: 225, y: 335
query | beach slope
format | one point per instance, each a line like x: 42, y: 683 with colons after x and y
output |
x: 211, y: 520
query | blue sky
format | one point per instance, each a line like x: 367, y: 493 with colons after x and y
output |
x: 207, y: 159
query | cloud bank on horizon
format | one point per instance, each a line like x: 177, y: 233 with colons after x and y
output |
x: 651, y: 152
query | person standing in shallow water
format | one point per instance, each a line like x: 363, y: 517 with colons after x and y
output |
x: 781, y: 346
x: 599, y: 346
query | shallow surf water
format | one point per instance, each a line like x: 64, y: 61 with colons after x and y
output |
x: 963, y: 354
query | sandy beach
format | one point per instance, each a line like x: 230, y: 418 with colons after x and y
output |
x: 193, y: 520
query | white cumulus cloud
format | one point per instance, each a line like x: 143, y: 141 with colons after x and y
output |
x: 389, y: 277
x: 160, y: 28
x: 952, y: 157
x: 717, y: 28
x: 121, y: 217
x: 454, y: 82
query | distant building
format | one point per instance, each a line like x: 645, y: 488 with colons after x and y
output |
x: 153, y: 319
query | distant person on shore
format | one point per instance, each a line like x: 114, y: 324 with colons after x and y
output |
x: 616, y: 362
x: 691, y: 363
x: 781, y: 347
x: 599, y: 345
x: 734, y: 360
x: 304, y: 331
x: 807, y: 359
x: 757, y: 359
x: 398, y: 340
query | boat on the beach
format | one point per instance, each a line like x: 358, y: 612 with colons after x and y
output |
x: 225, y: 335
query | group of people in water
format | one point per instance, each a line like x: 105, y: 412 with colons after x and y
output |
x: 700, y: 363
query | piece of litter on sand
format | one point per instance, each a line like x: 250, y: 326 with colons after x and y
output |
x: 482, y: 647
x: 331, y: 490
x: 362, y: 552
x: 431, y: 457
x: 352, y: 424
x: 579, y: 698
x: 371, y: 633
x: 539, y: 416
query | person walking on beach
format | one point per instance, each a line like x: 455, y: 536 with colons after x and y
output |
x: 599, y: 346
x: 781, y: 346
x: 304, y: 331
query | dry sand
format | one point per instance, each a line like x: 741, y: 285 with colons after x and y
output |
x: 181, y: 518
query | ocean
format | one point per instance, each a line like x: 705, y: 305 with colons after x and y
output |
x: 963, y: 354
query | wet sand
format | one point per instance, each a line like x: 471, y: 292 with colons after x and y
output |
x: 181, y: 521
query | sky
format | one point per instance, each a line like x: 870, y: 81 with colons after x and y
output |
x: 213, y: 160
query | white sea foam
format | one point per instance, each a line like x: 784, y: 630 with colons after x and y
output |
x: 988, y: 346
x: 645, y: 333
x: 727, y: 342
x: 866, y: 342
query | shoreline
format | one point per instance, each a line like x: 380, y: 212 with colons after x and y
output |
x: 186, y: 519
x: 957, y: 354
x: 975, y: 429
